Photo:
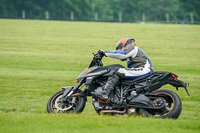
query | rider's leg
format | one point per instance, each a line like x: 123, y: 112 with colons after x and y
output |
x: 123, y: 73
x: 135, y: 72
x: 112, y: 82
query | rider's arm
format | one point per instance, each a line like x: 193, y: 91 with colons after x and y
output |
x: 121, y: 55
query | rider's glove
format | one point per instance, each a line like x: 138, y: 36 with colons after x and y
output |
x: 102, y: 52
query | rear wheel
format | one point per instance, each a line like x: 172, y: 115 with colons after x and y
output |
x: 74, y: 104
x: 172, y: 105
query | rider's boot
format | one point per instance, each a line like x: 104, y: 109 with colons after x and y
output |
x: 111, y: 83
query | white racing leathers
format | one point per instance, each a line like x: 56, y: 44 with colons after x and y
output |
x: 138, y: 62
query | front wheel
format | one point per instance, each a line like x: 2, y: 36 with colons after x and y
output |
x: 172, y: 105
x: 74, y: 104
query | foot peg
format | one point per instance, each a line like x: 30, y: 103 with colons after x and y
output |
x: 103, y: 97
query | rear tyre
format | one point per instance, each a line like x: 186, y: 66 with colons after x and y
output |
x: 74, y: 104
x: 173, y: 106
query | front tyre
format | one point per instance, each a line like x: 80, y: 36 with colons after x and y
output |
x: 173, y: 105
x: 74, y: 104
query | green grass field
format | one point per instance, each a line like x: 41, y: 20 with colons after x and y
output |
x: 38, y: 58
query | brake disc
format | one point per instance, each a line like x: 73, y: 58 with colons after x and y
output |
x: 61, y: 107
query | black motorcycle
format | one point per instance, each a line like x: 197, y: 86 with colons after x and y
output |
x: 130, y: 96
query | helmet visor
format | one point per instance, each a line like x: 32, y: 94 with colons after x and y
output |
x: 120, y: 46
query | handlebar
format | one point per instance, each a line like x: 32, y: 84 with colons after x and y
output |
x: 97, y: 59
x: 99, y: 54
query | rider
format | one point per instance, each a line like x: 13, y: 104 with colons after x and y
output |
x: 138, y: 63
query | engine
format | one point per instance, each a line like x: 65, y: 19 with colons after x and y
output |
x: 100, y: 104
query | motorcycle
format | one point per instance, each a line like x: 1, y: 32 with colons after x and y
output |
x: 131, y: 96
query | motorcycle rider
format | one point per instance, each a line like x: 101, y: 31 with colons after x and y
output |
x: 138, y: 63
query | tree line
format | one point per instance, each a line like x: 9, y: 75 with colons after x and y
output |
x: 174, y: 11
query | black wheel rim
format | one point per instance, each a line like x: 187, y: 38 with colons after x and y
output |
x: 68, y: 107
x: 170, y: 102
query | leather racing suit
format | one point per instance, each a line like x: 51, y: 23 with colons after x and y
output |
x: 138, y: 65
x: 138, y: 62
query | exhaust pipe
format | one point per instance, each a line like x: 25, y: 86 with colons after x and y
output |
x: 117, y: 112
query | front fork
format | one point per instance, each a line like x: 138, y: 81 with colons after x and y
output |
x: 68, y: 91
